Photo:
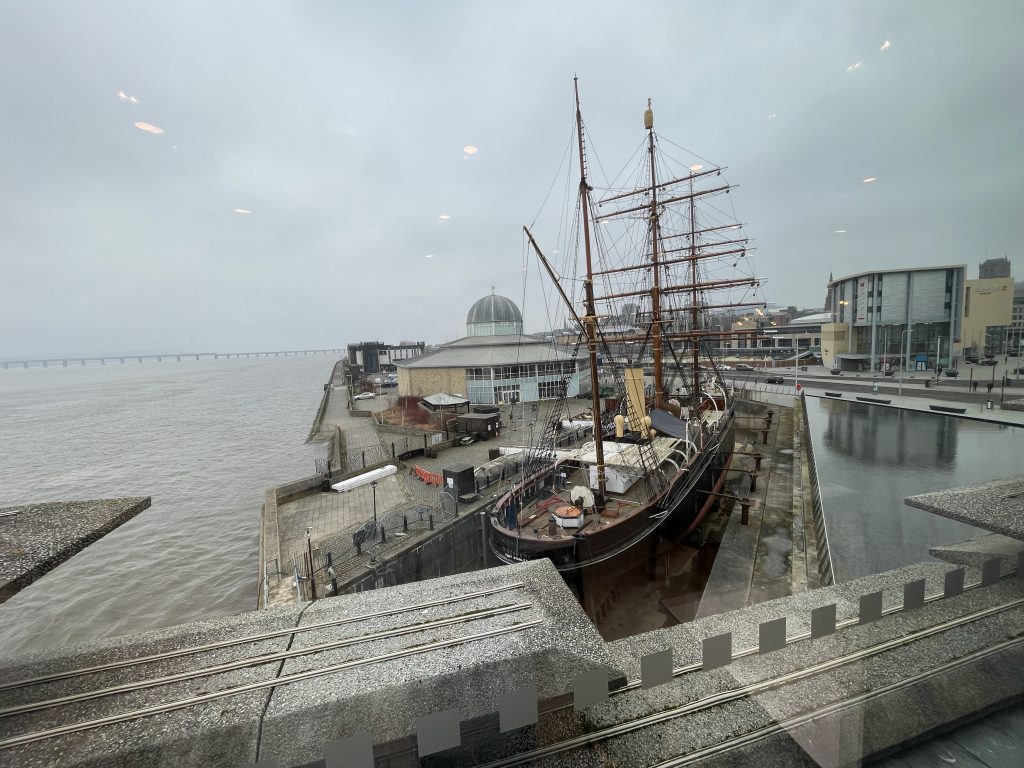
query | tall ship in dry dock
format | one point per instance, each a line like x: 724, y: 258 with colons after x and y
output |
x: 658, y: 248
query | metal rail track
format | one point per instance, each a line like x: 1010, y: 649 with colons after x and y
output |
x: 191, y: 701
x: 735, y: 694
x: 854, y: 701
x: 125, y: 663
x: 254, y: 661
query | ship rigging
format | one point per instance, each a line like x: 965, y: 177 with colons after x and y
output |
x: 661, y: 445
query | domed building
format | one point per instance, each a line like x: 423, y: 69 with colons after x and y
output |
x: 495, y: 362
x: 494, y: 316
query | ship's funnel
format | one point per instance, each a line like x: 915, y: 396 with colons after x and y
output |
x: 635, y: 400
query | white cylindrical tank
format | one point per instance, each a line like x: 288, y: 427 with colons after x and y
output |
x: 366, y: 478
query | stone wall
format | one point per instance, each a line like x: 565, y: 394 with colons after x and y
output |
x: 458, y: 548
x: 421, y: 382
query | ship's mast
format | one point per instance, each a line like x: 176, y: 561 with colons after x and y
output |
x: 694, y: 312
x: 590, y: 318
x: 659, y: 393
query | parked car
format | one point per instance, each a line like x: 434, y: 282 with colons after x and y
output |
x: 989, y: 361
x: 364, y: 396
x: 724, y: 367
x: 971, y: 359
x: 951, y: 373
x: 774, y: 380
x: 744, y: 367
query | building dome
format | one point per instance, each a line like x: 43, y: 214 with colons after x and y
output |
x: 494, y: 316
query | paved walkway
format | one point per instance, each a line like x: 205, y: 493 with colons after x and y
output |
x: 328, y: 514
x: 334, y: 517
x: 755, y: 560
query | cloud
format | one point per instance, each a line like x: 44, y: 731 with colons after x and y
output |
x: 343, y: 128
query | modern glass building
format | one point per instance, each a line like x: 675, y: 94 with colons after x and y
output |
x: 884, y: 316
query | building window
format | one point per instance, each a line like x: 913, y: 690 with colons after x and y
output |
x: 506, y: 393
x: 546, y: 390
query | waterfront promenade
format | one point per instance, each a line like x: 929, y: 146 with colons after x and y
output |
x: 389, y: 520
x: 914, y: 393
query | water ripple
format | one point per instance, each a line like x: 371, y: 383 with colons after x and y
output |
x: 205, y: 439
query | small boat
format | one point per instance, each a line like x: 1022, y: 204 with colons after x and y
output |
x: 662, y: 445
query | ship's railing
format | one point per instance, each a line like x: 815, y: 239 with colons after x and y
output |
x: 825, y: 572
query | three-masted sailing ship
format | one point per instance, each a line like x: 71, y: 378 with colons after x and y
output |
x: 662, y: 445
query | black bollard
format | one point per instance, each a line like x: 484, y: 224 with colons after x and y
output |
x: 745, y: 511
x: 753, y: 482
x: 405, y: 522
x: 430, y: 524
x: 757, y: 461
x: 383, y: 538
x: 764, y: 437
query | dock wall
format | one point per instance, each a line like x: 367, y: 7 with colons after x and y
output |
x: 459, y: 547
x: 319, y: 418
x: 825, y: 574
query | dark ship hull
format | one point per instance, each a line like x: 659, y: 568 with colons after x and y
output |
x: 674, y: 514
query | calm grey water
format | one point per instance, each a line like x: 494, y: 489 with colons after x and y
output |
x: 870, y: 458
x: 204, y: 438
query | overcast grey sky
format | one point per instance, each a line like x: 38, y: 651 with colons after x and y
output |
x: 341, y: 127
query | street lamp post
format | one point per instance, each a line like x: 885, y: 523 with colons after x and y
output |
x: 309, y: 553
x: 374, y: 486
x: 906, y: 332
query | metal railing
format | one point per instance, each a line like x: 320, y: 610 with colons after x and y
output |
x: 335, y: 556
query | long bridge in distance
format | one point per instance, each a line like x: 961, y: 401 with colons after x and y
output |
x: 178, y: 357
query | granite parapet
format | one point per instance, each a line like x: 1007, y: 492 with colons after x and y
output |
x: 385, y: 699
x: 996, y: 506
x: 36, y: 538
x: 220, y: 732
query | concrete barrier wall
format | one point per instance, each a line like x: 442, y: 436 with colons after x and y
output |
x: 319, y: 418
x: 768, y: 394
x: 270, y: 544
x: 293, y: 490
x: 818, y: 508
